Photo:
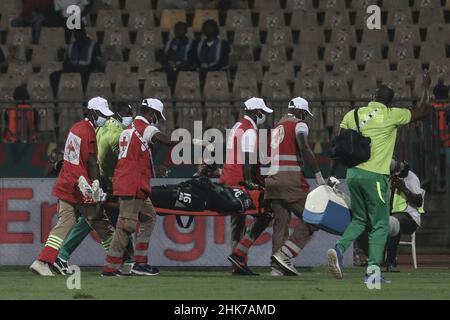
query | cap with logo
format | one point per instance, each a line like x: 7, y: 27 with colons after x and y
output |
x: 154, y: 104
x: 100, y: 104
x: 257, y: 104
x: 300, y: 104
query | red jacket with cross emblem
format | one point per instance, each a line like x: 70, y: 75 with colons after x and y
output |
x: 134, y: 169
x: 80, y: 143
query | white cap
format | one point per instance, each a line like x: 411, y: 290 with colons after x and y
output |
x: 154, y: 104
x: 100, y: 104
x: 257, y: 104
x: 299, y: 103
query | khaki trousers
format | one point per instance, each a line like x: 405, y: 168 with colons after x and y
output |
x: 94, y: 216
x: 133, y: 213
x: 282, y: 215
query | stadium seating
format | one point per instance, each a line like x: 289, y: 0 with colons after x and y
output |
x: 139, y: 6
x: 318, y: 49
x: 366, y: 53
x: 139, y: 20
x: 269, y: 19
x: 109, y: 19
x: 188, y: 88
x: 170, y: 17
x: 238, y: 19
x: 201, y: 16
x: 98, y: 85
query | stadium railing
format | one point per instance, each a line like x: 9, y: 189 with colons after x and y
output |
x: 420, y: 143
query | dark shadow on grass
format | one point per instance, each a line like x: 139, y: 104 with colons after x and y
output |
x: 83, y: 296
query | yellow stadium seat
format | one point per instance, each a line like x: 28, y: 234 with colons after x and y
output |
x: 170, y: 17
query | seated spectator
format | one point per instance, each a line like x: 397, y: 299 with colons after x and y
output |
x: 21, y: 120
x: 83, y: 56
x: 178, y: 53
x: 33, y: 15
x: 58, y: 16
x: 441, y: 90
x: 407, y: 208
x: 212, y: 52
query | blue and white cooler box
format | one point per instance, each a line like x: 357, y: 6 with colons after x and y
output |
x: 327, y: 209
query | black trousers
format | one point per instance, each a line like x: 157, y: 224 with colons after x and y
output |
x: 407, y: 226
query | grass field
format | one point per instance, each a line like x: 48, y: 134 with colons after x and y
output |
x: 19, y: 283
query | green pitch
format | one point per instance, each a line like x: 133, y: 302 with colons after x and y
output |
x: 19, y: 283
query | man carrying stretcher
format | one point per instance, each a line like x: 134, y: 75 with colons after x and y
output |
x: 242, y: 167
x: 286, y: 186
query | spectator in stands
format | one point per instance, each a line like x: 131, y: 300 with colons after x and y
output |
x: 21, y: 120
x: 33, y: 15
x: 58, y: 16
x: 178, y: 53
x: 212, y: 52
x: 441, y: 90
x: 83, y: 56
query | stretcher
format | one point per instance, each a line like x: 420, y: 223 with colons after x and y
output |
x: 256, y: 196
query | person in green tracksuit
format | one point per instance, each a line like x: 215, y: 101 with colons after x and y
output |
x: 108, y: 149
x: 368, y: 182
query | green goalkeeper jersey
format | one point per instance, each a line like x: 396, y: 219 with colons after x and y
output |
x: 108, y: 149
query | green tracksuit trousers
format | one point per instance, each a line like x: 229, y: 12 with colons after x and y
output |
x: 370, y: 199
x: 82, y: 230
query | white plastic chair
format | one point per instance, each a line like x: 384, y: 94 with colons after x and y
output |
x: 412, y: 243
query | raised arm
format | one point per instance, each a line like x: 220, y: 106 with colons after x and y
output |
x: 425, y: 108
x: 163, y: 139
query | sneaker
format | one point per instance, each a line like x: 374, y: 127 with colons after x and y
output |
x: 335, y: 262
x: 276, y: 272
x: 60, y: 266
x: 127, y: 267
x: 284, y: 262
x: 116, y: 273
x: 144, y: 270
x: 391, y: 268
x: 41, y: 268
x: 240, y: 267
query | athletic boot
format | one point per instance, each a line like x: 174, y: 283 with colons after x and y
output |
x: 144, y: 270
x: 41, y: 268
x: 127, y: 267
x: 60, y: 266
x: 285, y: 263
x: 334, y: 257
x: 240, y: 267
